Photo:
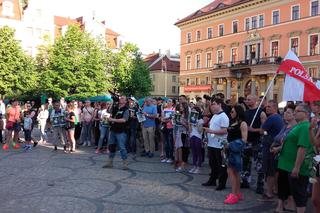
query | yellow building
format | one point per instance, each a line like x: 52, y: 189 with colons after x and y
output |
x: 164, y: 73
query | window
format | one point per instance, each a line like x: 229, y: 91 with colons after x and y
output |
x: 207, y: 80
x: 188, y: 63
x: 209, y: 60
x: 254, y: 22
x: 173, y: 89
x: 219, y: 57
x: 197, y: 61
x: 294, y: 45
x: 247, y: 24
x: 188, y: 81
x: 234, y: 26
x: 314, y: 44
x: 314, y: 72
x: 174, y: 78
x: 234, y: 55
x: 276, y: 17
x: 261, y: 21
x: 209, y: 33
x: 221, y: 29
x: 275, y: 48
x: 295, y: 12
x: 197, y: 80
x: 7, y: 8
x: 188, y: 37
x: 314, y: 8
x: 153, y: 77
x: 153, y: 88
x: 198, y: 35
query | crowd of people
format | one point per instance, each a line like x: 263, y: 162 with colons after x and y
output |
x: 280, y: 146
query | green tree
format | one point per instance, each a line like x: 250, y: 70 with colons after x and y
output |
x: 130, y: 74
x: 18, y: 76
x: 76, y: 66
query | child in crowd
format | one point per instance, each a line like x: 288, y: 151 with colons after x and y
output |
x: 27, y: 127
x: 196, y: 124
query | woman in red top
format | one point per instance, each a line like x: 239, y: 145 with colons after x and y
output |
x: 13, y: 120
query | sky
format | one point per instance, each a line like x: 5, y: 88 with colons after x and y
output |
x: 147, y: 23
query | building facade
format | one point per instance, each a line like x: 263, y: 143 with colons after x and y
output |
x: 32, y: 21
x: 236, y: 46
x: 164, y: 73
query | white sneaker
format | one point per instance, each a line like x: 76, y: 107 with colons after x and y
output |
x: 89, y: 143
x: 192, y: 170
x: 84, y: 144
x: 196, y: 171
x: 164, y: 160
x: 179, y: 169
x: 169, y: 161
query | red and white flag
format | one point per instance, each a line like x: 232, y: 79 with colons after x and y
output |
x: 298, y: 85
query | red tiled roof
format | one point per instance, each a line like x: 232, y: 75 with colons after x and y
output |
x: 111, y: 32
x: 211, y: 8
x: 172, y: 65
x: 61, y: 21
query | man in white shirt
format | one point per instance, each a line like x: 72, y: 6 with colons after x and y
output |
x: 217, y: 134
x: 2, y: 107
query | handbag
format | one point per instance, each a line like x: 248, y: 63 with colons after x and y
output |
x: 9, y: 124
x: 236, y: 146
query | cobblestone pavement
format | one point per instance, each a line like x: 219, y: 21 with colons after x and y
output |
x: 45, y: 181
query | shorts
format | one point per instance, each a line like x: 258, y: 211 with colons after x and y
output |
x: 298, y: 188
x: 269, y: 164
x: 27, y: 135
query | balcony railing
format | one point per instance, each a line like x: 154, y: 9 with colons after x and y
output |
x: 248, y: 62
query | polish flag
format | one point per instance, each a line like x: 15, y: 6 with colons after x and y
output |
x: 298, y: 86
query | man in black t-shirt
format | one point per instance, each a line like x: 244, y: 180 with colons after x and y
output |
x: 253, y: 146
x: 118, y: 132
x: 133, y: 127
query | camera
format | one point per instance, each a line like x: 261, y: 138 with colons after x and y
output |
x: 207, y: 97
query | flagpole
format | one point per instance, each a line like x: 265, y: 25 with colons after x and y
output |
x: 265, y: 94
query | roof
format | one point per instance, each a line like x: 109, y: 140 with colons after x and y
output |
x: 111, y: 32
x: 62, y: 21
x: 155, y: 60
x: 214, y: 6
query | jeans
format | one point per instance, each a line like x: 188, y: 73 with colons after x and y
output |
x: 133, y: 139
x: 168, y: 138
x: 59, y: 135
x: 42, y: 125
x: 104, y: 133
x: 196, y: 148
x: 120, y: 140
x: 86, y: 131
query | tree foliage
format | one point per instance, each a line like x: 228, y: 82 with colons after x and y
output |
x: 130, y: 74
x: 17, y: 71
x: 76, y: 66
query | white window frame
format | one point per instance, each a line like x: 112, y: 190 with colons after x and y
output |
x: 174, y: 78
x: 272, y: 16
x: 195, y: 64
x: 197, y: 35
x: 257, y: 22
x: 245, y: 23
x: 312, y: 67
x: 264, y: 20
x: 187, y: 35
x: 309, y: 47
x: 208, y: 32
x: 188, y: 56
x: 270, y: 49
x: 311, y: 6
x: 298, y: 54
x: 237, y: 54
x: 218, y: 57
x: 219, y: 30
x: 292, y: 11
x: 232, y: 25
x: 207, y: 59
x: 6, y: 12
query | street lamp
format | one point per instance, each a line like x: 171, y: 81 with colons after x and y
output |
x: 239, y: 76
x: 164, y: 69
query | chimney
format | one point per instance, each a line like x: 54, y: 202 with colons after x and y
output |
x: 168, y: 53
x: 159, y: 51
